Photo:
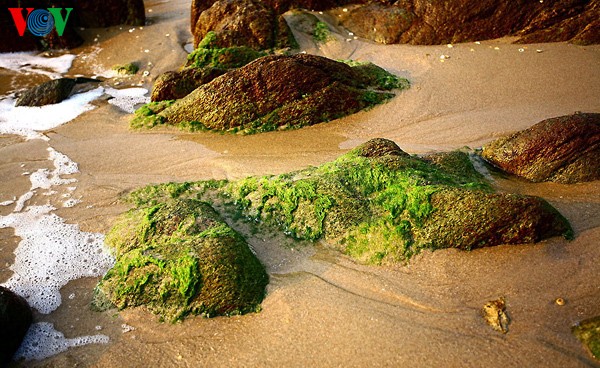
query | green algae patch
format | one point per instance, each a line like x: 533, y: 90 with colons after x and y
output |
x: 380, y: 205
x: 209, y: 55
x: 321, y: 32
x: 147, y: 115
x: 126, y: 69
x: 278, y: 92
x: 178, y: 257
x: 588, y: 332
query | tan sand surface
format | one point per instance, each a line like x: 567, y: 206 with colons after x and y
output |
x: 323, y: 309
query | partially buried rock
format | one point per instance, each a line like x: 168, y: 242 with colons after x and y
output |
x: 51, y: 92
x: 494, y: 314
x: 277, y: 92
x: 565, y: 149
x: 382, y: 206
x: 179, y: 257
x: 15, y: 319
x: 588, y: 332
x: 47, y: 93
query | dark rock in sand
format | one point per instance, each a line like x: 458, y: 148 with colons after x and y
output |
x: 249, y: 23
x: 51, y: 92
x: 565, y: 149
x: 277, y: 92
x: 176, y: 85
x: 179, y: 257
x: 440, y: 21
x: 15, y: 319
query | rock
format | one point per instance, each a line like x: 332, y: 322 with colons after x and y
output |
x: 106, y: 13
x: 126, y: 69
x: 565, y: 149
x: 176, y: 85
x: 494, y: 314
x: 51, y: 92
x: 276, y: 92
x: 381, y: 206
x: 427, y: 22
x: 15, y: 319
x: 588, y: 332
x: 209, y: 54
x: 250, y: 23
x: 179, y: 257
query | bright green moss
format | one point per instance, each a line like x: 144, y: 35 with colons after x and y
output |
x: 321, y: 33
x: 588, y: 332
x: 209, y: 55
x: 126, y: 69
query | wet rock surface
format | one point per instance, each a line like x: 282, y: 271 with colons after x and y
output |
x: 565, y: 149
x: 15, y: 319
x: 277, y: 92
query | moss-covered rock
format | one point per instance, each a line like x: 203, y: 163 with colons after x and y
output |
x: 50, y: 92
x: 281, y: 92
x: 176, y: 85
x: 382, y: 206
x: 210, y: 54
x: 126, y: 69
x: 565, y: 149
x: 179, y: 257
x: 588, y: 332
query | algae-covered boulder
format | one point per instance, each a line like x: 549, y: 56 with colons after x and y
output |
x: 278, y: 92
x: 588, y: 332
x: 15, y: 319
x: 251, y: 23
x: 565, y: 149
x: 179, y: 257
x: 381, y: 206
x: 50, y: 92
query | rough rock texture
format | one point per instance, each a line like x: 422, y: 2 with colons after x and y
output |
x: 88, y: 13
x: 565, y: 149
x: 249, y: 23
x: 381, y: 205
x: 179, y: 257
x: 588, y: 332
x: 51, y: 92
x: 15, y: 319
x: 276, y: 92
x: 176, y: 85
x: 442, y: 21
x: 494, y: 314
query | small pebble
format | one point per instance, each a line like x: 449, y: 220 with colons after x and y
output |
x: 560, y: 301
x: 145, y: 73
x: 521, y: 50
x: 345, y: 10
x: 539, y: 51
x: 450, y: 46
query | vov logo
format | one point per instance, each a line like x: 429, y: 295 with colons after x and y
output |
x: 40, y: 21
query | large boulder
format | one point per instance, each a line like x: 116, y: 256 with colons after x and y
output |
x: 249, y: 23
x: 565, y: 149
x: 50, y: 92
x: 441, y: 21
x: 179, y: 257
x: 276, y: 92
x: 15, y: 319
x: 382, y: 206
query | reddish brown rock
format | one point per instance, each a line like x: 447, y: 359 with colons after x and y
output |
x: 564, y: 150
x: 176, y: 85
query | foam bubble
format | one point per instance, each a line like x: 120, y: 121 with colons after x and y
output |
x: 126, y: 99
x: 43, y: 341
x: 27, y: 62
x: 50, y: 254
x: 27, y: 121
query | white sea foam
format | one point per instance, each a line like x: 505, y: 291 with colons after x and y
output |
x: 43, y: 341
x: 51, y: 253
x: 28, y: 121
x: 126, y: 99
x: 27, y: 62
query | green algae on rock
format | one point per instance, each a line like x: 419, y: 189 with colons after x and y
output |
x: 126, y: 69
x: 179, y: 257
x: 588, y: 332
x: 210, y: 54
x: 380, y: 205
x: 564, y: 149
x: 278, y: 92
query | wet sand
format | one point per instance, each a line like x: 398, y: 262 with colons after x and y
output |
x: 323, y: 309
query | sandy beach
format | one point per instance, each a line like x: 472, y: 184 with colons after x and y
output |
x: 322, y: 309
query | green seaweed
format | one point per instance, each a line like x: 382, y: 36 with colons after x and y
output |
x: 126, y: 69
x: 321, y: 32
x: 178, y: 257
x: 373, y: 75
x: 209, y: 55
x: 588, y: 332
